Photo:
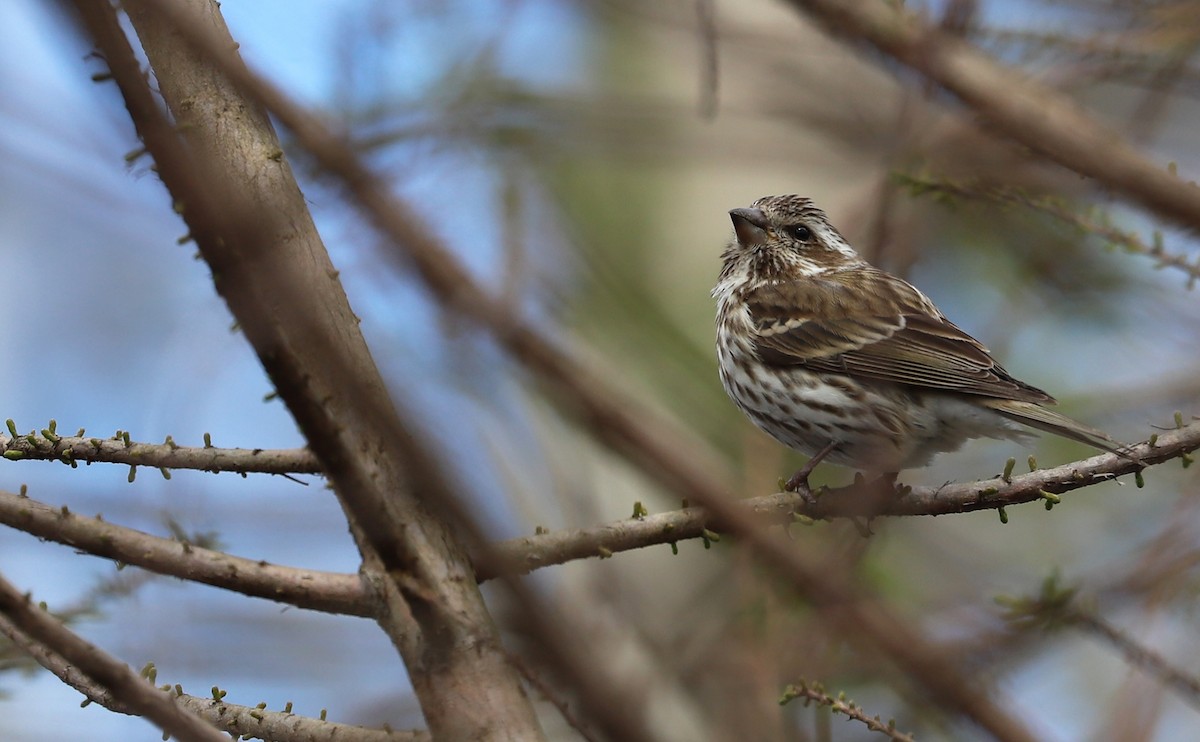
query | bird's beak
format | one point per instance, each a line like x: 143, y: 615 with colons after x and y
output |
x: 750, y: 225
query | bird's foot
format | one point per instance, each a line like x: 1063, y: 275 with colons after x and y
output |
x: 798, y: 482
x: 883, y: 486
x: 868, y: 499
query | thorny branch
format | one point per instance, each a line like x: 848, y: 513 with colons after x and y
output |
x: 238, y: 720
x: 854, y: 501
x: 321, y: 591
x: 96, y: 665
x: 74, y: 450
x: 1099, y: 226
x: 815, y: 693
x: 344, y: 593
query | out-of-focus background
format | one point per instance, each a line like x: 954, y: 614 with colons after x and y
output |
x: 581, y: 158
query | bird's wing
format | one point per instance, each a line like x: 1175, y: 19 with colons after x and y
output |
x: 869, y: 323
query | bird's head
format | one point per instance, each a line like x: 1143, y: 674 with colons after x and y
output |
x: 785, y: 238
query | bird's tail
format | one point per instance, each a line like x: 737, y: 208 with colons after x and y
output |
x: 1036, y: 416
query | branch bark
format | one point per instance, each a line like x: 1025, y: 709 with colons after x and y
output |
x: 319, y: 591
x: 74, y: 449
x: 224, y: 167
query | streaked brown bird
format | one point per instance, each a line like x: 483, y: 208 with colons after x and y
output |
x: 829, y: 354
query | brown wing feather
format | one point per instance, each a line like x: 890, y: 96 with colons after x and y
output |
x: 869, y: 323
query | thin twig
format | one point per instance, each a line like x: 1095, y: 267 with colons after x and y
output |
x: 1184, y: 684
x: 815, y: 693
x: 1102, y: 228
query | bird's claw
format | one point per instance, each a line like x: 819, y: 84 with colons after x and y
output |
x: 798, y: 482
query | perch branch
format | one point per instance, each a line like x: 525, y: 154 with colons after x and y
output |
x: 345, y: 594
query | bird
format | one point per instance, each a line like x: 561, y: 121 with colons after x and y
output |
x: 847, y: 363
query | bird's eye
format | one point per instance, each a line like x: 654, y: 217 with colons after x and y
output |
x: 798, y: 232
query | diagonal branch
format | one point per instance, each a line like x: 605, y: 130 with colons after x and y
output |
x: 241, y: 721
x: 99, y: 667
x: 1186, y: 685
x: 558, y: 547
x: 1042, y: 484
x: 1038, y: 117
x: 1098, y: 225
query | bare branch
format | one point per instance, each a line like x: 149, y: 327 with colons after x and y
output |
x: 815, y: 693
x: 83, y: 449
x: 98, y: 666
x: 1037, y: 117
x: 1184, y: 684
x: 319, y: 591
x: 1101, y: 227
x: 243, y: 721
x: 1042, y: 484
x: 558, y: 547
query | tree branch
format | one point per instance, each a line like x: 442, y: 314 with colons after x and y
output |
x: 1101, y: 226
x: 1042, y: 119
x: 815, y: 693
x: 558, y: 547
x: 224, y: 167
x: 241, y: 721
x: 99, y: 667
x: 319, y: 591
x: 1042, y: 484
x: 346, y: 594
x: 121, y: 450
